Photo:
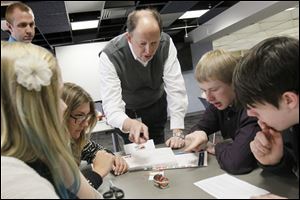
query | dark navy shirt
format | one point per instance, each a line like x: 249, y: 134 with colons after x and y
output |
x: 234, y: 157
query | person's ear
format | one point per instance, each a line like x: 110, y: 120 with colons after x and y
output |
x: 291, y: 99
x: 128, y: 36
x: 9, y: 26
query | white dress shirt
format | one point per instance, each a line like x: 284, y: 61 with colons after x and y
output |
x: 111, y: 91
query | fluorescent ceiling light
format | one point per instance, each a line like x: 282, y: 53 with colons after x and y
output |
x: 290, y: 9
x: 84, y: 25
x: 193, y: 14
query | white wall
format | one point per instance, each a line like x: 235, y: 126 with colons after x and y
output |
x: 80, y: 64
x: 193, y: 92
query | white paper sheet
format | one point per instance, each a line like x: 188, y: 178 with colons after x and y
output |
x: 133, y: 148
x: 228, y: 187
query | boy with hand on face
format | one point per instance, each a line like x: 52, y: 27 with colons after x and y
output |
x: 266, y: 81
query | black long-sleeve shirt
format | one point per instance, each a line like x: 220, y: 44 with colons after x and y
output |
x: 234, y: 157
x: 88, y: 154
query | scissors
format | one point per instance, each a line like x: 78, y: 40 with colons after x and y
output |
x: 113, y: 191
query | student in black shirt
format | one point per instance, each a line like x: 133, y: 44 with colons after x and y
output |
x: 214, y: 74
x: 267, y: 83
x: 80, y: 118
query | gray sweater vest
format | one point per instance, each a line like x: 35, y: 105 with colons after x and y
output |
x: 141, y: 86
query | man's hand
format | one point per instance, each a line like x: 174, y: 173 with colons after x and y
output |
x: 267, y: 146
x: 138, y: 131
x: 175, y: 142
x: 210, y: 148
x: 195, y: 141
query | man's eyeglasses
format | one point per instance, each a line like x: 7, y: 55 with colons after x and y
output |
x: 81, y: 118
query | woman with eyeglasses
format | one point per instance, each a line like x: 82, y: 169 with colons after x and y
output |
x: 80, y: 117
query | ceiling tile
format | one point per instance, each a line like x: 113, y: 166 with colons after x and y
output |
x: 84, y: 6
x: 168, y: 19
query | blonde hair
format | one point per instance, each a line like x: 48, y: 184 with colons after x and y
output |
x: 11, y: 8
x: 74, y: 96
x: 216, y: 65
x: 31, y: 125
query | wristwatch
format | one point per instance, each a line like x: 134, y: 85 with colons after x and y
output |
x: 179, y: 134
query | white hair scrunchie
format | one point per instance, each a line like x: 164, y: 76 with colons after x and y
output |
x: 33, y: 72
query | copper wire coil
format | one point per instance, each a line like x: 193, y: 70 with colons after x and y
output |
x: 161, y: 181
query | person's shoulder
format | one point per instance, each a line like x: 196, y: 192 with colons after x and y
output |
x: 165, y: 36
x: 245, y: 118
x: 15, y: 179
x: 296, y: 128
x: 118, y: 37
x: 12, y: 162
x: 115, y: 44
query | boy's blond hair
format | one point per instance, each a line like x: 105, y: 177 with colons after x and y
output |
x: 216, y: 65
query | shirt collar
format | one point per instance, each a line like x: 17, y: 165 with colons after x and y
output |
x: 232, y: 108
x: 295, y: 128
x: 11, y: 39
x: 135, y: 57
